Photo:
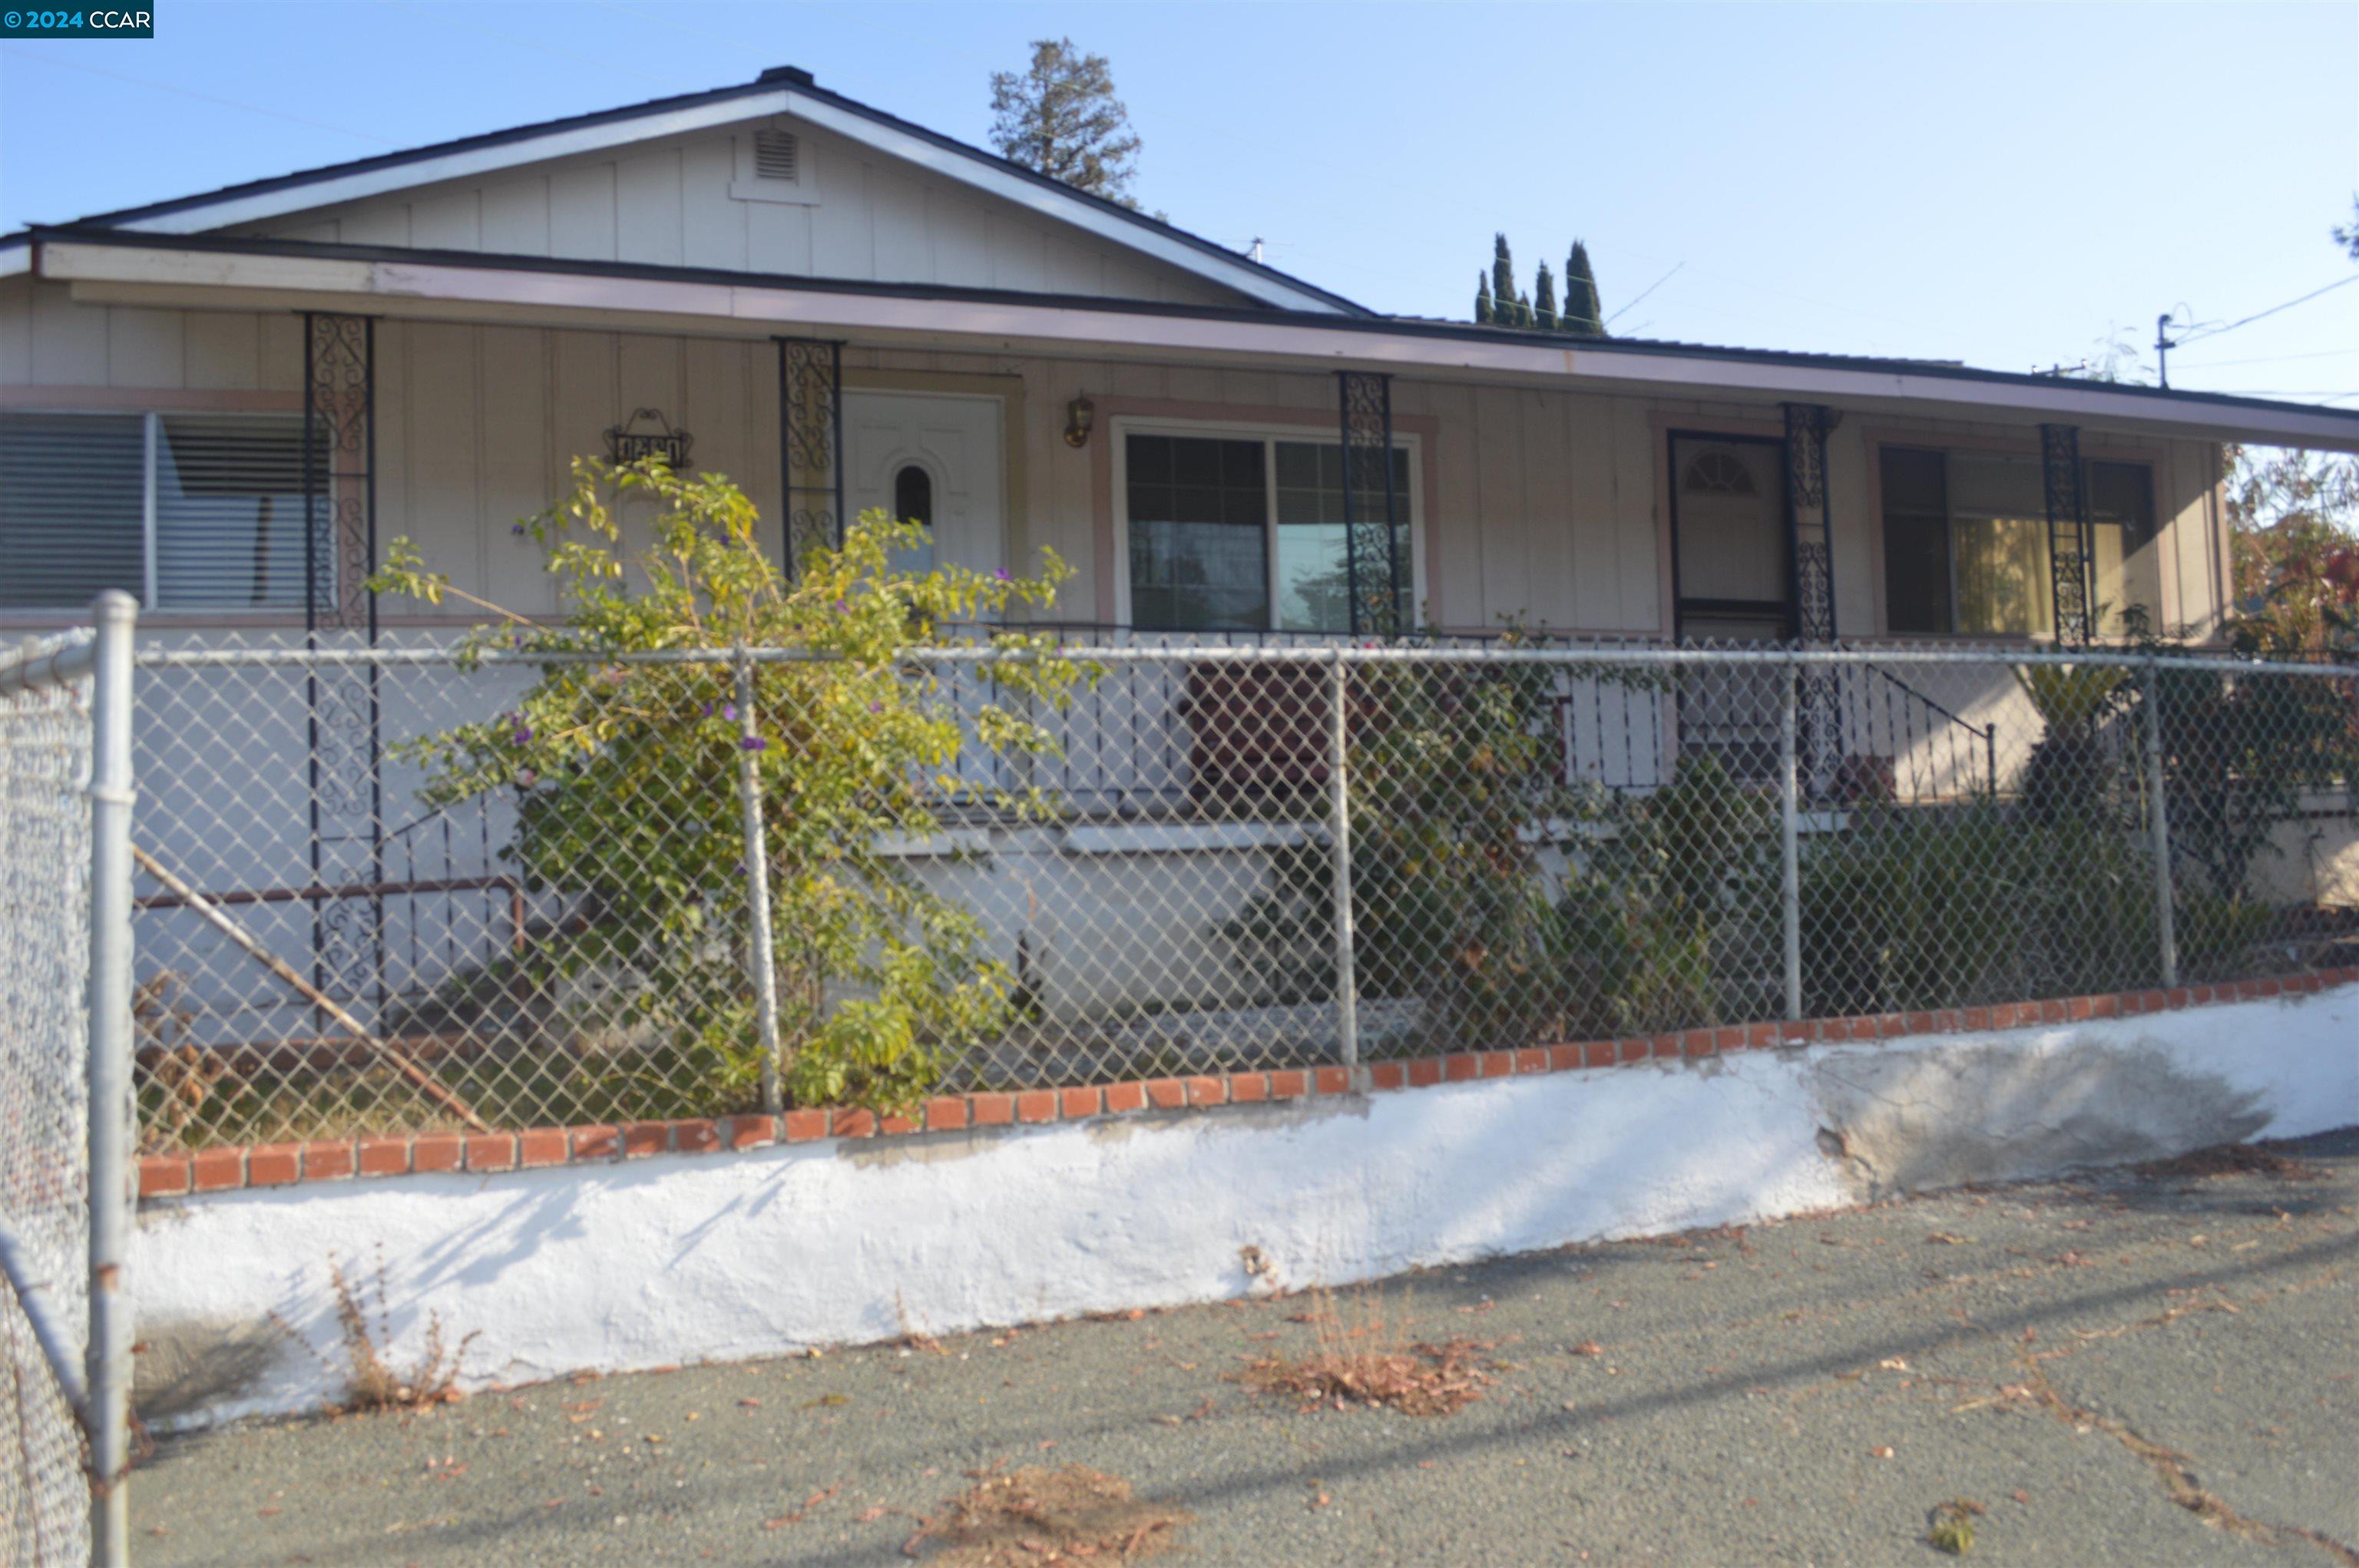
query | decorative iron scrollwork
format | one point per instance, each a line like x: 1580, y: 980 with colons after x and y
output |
x: 1810, y: 520
x: 2067, y: 531
x: 1374, y: 542
x: 810, y: 443
x: 344, y: 711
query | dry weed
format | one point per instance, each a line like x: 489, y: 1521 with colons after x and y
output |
x: 1039, y: 1515
x: 1363, y: 1355
x: 363, y: 1330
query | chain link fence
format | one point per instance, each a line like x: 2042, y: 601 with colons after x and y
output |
x: 392, y: 889
x: 64, y: 1199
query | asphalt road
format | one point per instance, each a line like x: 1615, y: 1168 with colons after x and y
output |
x: 2149, y: 1368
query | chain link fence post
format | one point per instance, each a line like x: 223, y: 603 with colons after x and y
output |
x: 760, y: 954
x: 1339, y: 838
x: 2158, y: 817
x: 107, y: 1359
x: 1790, y: 846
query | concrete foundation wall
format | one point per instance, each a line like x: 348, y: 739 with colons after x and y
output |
x: 673, y: 1259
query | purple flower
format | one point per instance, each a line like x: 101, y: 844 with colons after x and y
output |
x: 522, y: 736
x: 875, y: 707
x: 755, y: 743
x: 708, y: 710
x: 1001, y: 573
x: 841, y: 608
x: 728, y: 710
x: 518, y: 529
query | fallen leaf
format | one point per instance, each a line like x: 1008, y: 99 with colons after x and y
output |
x: 1882, y: 1451
x: 1589, y: 1347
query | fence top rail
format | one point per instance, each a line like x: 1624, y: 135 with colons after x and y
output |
x: 72, y: 657
x: 49, y: 662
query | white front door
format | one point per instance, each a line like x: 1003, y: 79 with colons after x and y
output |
x: 934, y: 458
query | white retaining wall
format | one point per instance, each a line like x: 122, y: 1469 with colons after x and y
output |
x: 686, y: 1259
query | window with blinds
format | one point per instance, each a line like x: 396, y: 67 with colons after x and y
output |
x: 73, y: 508
x: 184, y: 511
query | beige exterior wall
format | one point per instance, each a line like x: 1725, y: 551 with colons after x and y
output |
x: 668, y: 203
x: 1540, y: 506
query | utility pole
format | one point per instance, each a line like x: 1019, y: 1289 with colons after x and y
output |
x: 2162, y: 347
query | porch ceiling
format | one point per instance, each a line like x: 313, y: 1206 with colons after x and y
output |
x: 208, y: 273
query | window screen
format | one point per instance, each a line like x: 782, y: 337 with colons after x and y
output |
x: 228, y: 517
x: 72, y: 508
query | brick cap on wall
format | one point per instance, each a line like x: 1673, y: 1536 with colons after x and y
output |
x: 286, y: 1164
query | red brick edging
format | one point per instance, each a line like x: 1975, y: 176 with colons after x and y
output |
x: 283, y: 1164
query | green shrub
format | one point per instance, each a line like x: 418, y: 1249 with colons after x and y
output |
x: 625, y: 783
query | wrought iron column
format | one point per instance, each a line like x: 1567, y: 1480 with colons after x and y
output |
x: 811, y: 444
x: 342, y: 701
x: 1810, y: 536
x: 2068, y: 532
x: 1373, y: 550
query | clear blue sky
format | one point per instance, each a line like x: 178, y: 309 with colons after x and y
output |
x: 1996, y: 183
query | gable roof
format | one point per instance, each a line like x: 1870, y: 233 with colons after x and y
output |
x: 782, y: 89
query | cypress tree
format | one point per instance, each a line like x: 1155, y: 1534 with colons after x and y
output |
x: 1482, y: 299
x: 1544, y: 306
x: 1583, y: 313
x: 1503, y: 280
x: 1523, y: 309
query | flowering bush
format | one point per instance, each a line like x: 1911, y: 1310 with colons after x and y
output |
x: 626, y: 777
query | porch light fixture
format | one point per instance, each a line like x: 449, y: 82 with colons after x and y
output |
x: 1079, y: 415
x: 648, y: 434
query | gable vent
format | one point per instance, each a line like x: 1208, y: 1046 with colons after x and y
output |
x: 777, y: 156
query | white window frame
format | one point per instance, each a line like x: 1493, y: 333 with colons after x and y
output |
x: 1122, y: 427
x: 151, y: 449
x: 745, y: 185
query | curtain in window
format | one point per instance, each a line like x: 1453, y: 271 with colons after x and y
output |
x: 1998, y: 541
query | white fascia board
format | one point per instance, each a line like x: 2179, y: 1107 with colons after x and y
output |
x: 230, y: 211
x: 763, y: 308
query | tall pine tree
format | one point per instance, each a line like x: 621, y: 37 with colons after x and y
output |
x: 1583, y: 313
x: 1503, y: 281
x: 1544, y: 300
x: 1483, y: 316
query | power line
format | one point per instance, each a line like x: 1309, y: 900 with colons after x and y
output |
x: 2270, y: 358
x: 21, y: 52
x: 2257, y: 315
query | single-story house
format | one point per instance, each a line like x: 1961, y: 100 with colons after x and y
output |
x: 229, y: 402
x: 844, y: 310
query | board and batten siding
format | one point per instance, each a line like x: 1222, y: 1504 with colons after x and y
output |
x: 1544, y: 506
x: 871, y: 217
